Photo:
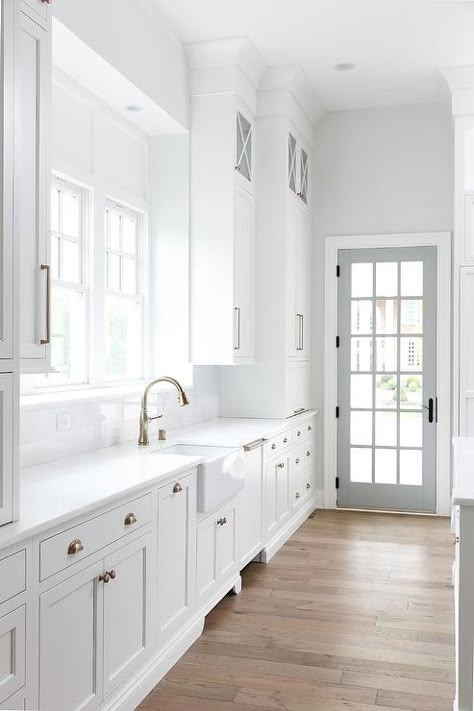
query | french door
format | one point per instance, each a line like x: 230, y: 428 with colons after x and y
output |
x: 387, y: 406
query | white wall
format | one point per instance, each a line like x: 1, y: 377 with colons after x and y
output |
x: 131, y: 37
x: 376, y: 171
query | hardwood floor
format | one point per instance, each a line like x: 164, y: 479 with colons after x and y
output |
x: 355, y: 613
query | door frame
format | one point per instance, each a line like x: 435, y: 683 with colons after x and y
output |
x: 442, y: 242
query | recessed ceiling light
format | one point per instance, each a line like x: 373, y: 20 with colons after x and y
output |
x: 134, y: 109
x: 345, y: 67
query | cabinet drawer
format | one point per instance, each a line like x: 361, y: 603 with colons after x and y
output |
x: 302, y: 457
x: 12, y: 653
x: 303, y: 431
x: 12, y: 575
x: 303, y: 488
x: 277, y: 444
x: 68, y: 547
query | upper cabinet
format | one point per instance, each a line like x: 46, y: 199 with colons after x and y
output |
x: 33, y: 178
x: 298, y: 169
x: 222, y: 231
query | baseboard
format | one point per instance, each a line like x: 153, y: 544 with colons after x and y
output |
x: 128, y: 699
x: 234, y: 582
x: 319, y: 497
x: 282, y: 536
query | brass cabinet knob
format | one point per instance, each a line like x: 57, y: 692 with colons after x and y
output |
x: 297, y: 461
x: 285, y: 440
x: 308, y: 485
x: 112, y: 574
x: 309, y: 428
x: 222, y: 521
x: 274, y: 446
x: 177, y: 488
x: 455, y: 539
x: 130, y: 519
x: 298, y: 434
x: 297, y: 495
x: 75, y: 547
x: 281, y: 465
x: 308, y: 453
x: 105, y: 578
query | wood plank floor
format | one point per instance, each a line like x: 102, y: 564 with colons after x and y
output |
x: 355, y: 613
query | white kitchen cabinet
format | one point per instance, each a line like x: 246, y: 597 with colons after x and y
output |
x: 38, y: 10
x: 12, y: 653
x: 466, y: 353
x: 17, y: 702
x: 32, y: 187
x: 251, y: 505
x: 298, y: 281
x: 7, y: 471
x: 176, y: 556
x: 97, y: 628
x: 217, y: 554
x: 277, y: 494
x: 222, y: 231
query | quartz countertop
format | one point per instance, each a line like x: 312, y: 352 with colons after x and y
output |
x: 55, y: 493
x: 463, y: 492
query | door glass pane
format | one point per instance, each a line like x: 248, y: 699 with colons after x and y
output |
x: 386, y: 354
x: 362, y: 280
x: 386, y: 315
x: 411, y: 353
x: 68, y: 340
x: 361, y: 391
x: 129, y: 275
x: 361, y: 465
x: 411, y: 316
x: 361, y: 317
x: 361, y: 354
x: 411, y: 279
x: 411, y: 392
x: 70, y: 215
x: 361, y: 427
x: 69, y: 260
x: 304, y: 176
x: 122, y: 338
x: 411, y: 429
x: 386, y: 429
x: 386, y: 279
x: 386, y: 466
x: 385, y: 392
x: 411, y: 467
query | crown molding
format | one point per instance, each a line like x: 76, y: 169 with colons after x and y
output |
x: 459, y: 87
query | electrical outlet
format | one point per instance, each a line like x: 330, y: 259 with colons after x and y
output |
x: 63, y: 422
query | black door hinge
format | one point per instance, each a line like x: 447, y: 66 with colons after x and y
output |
x: 337, y: 411
x: 338, y: 341
x: 338, y: 270
x: 337, y: 482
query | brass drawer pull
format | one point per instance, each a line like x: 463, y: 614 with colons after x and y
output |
x: 285, y: 440
x: 104, y: 578
x: 297, y: 495
x: 112, y: 574
x: 177, y: 488
x: 308, y: 485
x: 222, y: 521
x: 274, y: 446
x: 297, y: 461
x: 298, y: 434
x: 281, y: 465
x: 75, y: 547
x: 308, y: 453
x: 130, y: 519
x: 309, y: 428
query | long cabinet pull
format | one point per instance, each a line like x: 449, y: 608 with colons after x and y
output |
x: 299, y: 332
x: 237, y: 339
x: 46, y: 341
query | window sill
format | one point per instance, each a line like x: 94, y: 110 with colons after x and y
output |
x: 91, y: 394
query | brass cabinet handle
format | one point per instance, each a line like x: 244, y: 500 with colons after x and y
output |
x: 237, y: 341
x: 46, y: 268
x: 308, y: 453
x: 75, y: 547
x: 222, y: 521
x: 274, y: 446
x: 177, y: 488
x: 308, y: 485
x: 297, y: 495
x: 112, y: 574
x: 130, y: 519
x: 298, y: 434
x: 104, y: 578
x: 297, y: 461
x: 281, y: 465
x: 309, y: 428
x: 455, y: 539
x: 285, y: 440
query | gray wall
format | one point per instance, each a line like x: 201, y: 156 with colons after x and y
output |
x: 376, y: 171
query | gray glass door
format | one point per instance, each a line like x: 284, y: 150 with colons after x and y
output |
x: 387, y: 407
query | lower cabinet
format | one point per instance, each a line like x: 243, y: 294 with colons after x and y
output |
x: 176, y: 556
x: 217, y: 552
x: 277, y: 494
x: 250, y: 504
x: 95, y: 629
x: 17, y: 702
x: 12, y: 653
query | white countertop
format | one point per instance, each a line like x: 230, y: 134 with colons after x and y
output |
x: 54, y: 493
x: 463, y: 493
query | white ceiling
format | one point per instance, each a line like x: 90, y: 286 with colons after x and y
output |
x: 397, y: 45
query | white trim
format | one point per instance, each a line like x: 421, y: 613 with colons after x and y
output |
x: 442, y: 241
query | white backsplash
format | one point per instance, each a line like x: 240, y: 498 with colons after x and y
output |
x: 101, y: 423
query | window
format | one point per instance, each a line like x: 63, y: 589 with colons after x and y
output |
x: 69, y: 288
x: 123, y: 293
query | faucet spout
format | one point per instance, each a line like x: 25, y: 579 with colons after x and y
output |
x: 143, y: 438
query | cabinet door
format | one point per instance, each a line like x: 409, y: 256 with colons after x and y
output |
x: 298, y: 298
x: 129, y: 629
x: 227, y: 543
x: 277, y: 495
x: 38, y: 10
x: 250, y: 507
x: 303, y: 160
x: 244, y: 275
x: 206, y: 564
x: 176, y: 556
x: 71, y: 624
x: 466, y: 353
x: 12, y: 653
x: 7, y: 35
x: 297, y: 387
x: 33, y: 191
x: 17, y: 702
x: 6, y: 447
x: 244, y: 147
